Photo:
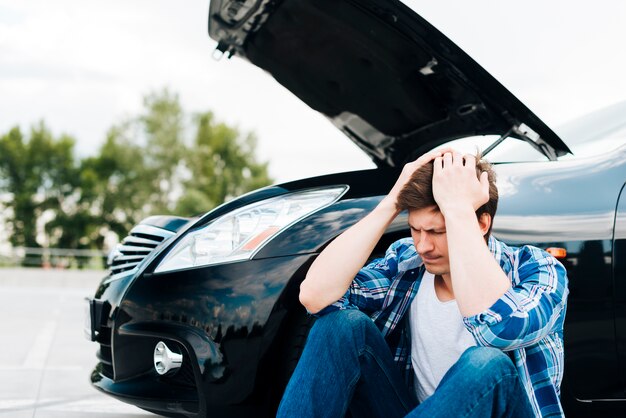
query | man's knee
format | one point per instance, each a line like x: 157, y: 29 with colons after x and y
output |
x: 486, y: 361
x: 342, y: 324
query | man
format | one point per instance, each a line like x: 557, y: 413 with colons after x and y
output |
x: 450, y: 323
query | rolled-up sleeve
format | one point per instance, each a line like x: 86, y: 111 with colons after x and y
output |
x: 530, y: 309
x: 369, y: 287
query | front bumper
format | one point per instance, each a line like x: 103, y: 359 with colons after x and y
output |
x: 149, y: 393
x: 230, y: 322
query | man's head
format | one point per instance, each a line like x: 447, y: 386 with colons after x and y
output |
x: 418, y: 192
x: 428, y: 224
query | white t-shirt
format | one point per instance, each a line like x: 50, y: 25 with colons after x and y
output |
x: 438, y: 337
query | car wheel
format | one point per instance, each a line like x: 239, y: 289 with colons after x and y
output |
x: 297, y: 328
x: 294, y: 345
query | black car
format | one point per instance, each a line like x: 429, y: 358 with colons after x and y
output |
x: 201, y: 317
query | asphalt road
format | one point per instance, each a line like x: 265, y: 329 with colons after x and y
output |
x: 45, y: 360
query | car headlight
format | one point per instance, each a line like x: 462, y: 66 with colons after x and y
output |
x: 238, y: 235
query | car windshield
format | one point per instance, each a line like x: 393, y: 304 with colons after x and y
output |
x: 592, y: 134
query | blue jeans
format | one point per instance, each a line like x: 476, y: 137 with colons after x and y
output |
x: 346, y: 365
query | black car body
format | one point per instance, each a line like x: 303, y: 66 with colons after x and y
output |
x: 397, y: 88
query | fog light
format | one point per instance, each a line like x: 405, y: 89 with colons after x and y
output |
x: 165, y: 359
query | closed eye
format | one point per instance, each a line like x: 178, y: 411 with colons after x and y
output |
x: 430, y: 231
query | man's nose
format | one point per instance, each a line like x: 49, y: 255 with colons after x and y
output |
x: 425, y: 244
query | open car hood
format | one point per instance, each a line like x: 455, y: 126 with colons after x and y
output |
x: 394, y: 84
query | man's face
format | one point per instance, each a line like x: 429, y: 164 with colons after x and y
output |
x: 428, y: 230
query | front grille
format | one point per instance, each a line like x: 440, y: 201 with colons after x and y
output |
x: 136, y: 246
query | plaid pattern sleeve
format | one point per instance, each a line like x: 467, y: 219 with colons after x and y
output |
x: 529, y: 310
x: 372, y: 283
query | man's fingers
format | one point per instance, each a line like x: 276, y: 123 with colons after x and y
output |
x: 423, y: 159
x: 437, y: 165
x: 448, y: 157
x: 470, y: 160
x: 484, y: 183
x: 431, y: 155
x: 442, y: 151
x: 436, y: 153
x: 457, y: 158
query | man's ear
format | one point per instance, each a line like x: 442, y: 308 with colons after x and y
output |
x: 484, y: 222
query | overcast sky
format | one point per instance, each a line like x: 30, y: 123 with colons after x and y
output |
x: 81, y: 65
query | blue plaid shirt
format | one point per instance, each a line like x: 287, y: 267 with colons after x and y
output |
x: 527, y: 321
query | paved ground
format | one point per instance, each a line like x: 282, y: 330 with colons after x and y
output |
x: 45, y: 361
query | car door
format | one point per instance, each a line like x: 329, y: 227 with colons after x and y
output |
x: 619, y: 278
x: 593, y: 368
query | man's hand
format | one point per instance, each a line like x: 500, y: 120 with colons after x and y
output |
x: 407, y: 172
x: 455, y: 185
x: 477, y: 278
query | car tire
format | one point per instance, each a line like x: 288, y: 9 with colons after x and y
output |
x: 297, y: 328
x: 294, y: 345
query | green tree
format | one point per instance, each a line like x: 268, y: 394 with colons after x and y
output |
x: 38, y: 172
x: 222, y: 164
x: 162, y: 123
x: 161, y: 161
x: 188, y: 176
x: 116, y: 187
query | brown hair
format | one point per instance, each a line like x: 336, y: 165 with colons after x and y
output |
x: 418, y: 192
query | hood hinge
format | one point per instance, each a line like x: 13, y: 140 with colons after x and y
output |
x: 533, y: 138
x: 525, y: 133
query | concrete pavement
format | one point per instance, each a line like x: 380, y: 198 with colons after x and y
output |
x: 45, y: 361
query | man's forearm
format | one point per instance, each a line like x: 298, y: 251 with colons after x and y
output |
x: 334, y: 269
x: 477, y: 279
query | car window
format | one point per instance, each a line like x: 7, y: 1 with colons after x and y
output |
x: 596, y: 133
x: 511, y: 150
